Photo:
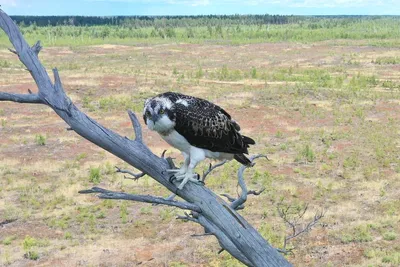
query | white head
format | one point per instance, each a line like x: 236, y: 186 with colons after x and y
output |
x: 158, y: 115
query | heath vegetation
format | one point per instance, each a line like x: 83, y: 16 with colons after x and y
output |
x: 320, y: 95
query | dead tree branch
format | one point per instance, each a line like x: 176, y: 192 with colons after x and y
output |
x: 36, y: 48
x: 21, y: 98
x: 292, y: 216
x: 136, y: 127
x: 138, y: 133
x: 233, y: 233
x: 211, y: 168
x: 107, y: 194
x: 135, y: 176
x: 187, y: 217
x: 243, y: 196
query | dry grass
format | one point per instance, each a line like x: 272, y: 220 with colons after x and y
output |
x: 327, y: 116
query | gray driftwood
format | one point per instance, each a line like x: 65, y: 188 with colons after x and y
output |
x: 219, y: 218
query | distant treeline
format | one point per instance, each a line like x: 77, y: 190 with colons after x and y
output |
x: 235, y: 29
x: 170, y: 21
x: 150, y: 21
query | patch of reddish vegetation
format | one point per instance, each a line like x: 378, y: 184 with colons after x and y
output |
x: 341, y: 145
x: 118, y: 83
x: 343, y: 254
x: 20, y: 88
x: 31, y: 228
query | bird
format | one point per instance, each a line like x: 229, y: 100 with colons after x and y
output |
x: 198, y: 128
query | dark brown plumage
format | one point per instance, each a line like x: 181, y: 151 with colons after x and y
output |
x: 206, y: 125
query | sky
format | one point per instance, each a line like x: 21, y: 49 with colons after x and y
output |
x: 200, y: 7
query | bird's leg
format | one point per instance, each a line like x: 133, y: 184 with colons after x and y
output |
x: 189, y: 175
x: 183, y: 168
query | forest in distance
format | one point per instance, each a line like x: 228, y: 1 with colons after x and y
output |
x: 223, y: 29
x: 177, y: 21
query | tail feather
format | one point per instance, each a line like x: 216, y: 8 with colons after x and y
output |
x: 248, y: 140
x: 243, y: 159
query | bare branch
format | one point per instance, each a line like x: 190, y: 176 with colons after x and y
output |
x: 107, y: 194
x: 211, y: 168
x: 201, y: 235
x: 187, y: 217
x: 250, y: 192
x: 256, y: 193
x: 230, y: 198
x: 12, y: 51
x: 36, y: 48
x: 243, y: 196
x: 136, y: 176
x: 136, y: 126
x: 168, y: 198
x: 308, y: 227
x: 292, y: 218
x: 57, y: 81
x: 285, y: 251
x: 21, y: 98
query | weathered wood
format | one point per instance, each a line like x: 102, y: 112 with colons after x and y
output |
x: 234, y: 233
x: 107, y: 194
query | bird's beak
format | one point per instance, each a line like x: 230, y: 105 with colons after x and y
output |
x: 154, y: 117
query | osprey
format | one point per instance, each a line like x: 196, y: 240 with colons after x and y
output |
x: 196, y: 127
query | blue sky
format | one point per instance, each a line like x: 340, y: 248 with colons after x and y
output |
x: 197, y: 7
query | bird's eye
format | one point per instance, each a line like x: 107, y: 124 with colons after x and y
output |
x: 162, y: 111
x: 148, y: 113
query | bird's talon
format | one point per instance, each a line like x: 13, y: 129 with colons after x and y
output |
x: 172, y: 170
x: 172, y: 178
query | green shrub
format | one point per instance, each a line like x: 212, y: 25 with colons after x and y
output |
x: 40, y: 139
x: 94, y: 175
x: 389, y: 236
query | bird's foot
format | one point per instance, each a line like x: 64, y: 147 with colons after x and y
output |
x: 186, y: 177
x: 173, y: 170
x: 175, y: 174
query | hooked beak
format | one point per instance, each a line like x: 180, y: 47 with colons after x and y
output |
x: 154, y: 117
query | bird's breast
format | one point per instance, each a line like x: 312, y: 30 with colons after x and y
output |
x: 177, y: 140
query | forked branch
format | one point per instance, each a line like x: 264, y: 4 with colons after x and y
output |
x: 21, y: 98
x: 293, y: 217
x: 211, y: 168
x: 243, y: 196
x: 107, y: 194
x: 135, y: 176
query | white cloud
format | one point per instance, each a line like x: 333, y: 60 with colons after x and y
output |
x: 9, y: 3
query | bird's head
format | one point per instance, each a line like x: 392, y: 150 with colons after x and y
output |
x: 158, y: 115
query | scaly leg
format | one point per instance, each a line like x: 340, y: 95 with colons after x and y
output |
x: 186, y: 172
x: 183, y: 168
x: 190, y: 175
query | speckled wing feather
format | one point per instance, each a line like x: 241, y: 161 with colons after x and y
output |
x: 206, y: 125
